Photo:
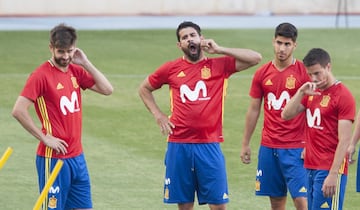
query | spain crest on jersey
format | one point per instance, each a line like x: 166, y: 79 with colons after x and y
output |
x: 325, y: 101
x: 75, y: 84
x: 290, y: 82
x: 205, y: 73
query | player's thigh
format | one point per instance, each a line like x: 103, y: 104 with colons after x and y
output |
x: 179, y: 184
x: 317, y: 200
x: 79, y: 195
x: 211, y: 175
x: 57, y: 194
x: 358, y: 174
x: 269, y: 178
x: 292, y: 166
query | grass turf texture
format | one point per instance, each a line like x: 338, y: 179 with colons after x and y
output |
x: 123, y: 145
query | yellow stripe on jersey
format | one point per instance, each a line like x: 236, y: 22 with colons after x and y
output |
x: 48, y: 151
x: 44, y: 114
x: 223, y: 99
x: 171, y: 101
x: 171, y: 108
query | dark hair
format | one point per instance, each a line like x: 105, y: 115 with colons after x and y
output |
x: 316, y: 56
x: 287, y: 30
x: 186, y: 24
x: 62, y: 36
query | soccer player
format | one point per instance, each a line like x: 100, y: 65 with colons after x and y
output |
x: 54, y: 88
x: 352, y: 148
x: 330, y: 111
x: 280, y: 166
x: 194, y: 160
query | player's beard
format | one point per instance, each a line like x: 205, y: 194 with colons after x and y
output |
x: 62, y: 62
x: 193, y: 51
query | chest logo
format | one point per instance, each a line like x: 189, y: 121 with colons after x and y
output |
x: 277, y: 103
x: 181, y: 74
x: 268, y: 82
x: 314, y: 119
x: 290, y: 82
x: 59, y: 86
x: 193, y: 95
x: 71, y: 105
x: 325, y: 101
x: 74, y: 82
x: 205, y: 73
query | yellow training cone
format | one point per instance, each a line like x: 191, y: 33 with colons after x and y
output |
x: 5, y: 156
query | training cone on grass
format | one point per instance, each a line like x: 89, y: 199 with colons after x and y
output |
x: 5, y: 156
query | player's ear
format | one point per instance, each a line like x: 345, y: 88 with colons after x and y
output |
x: 328, y: 66
x: 51, y: 47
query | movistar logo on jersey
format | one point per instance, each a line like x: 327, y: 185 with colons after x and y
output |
x: 314, y: 119
x: 70, y: 105
x: 199, y: 92
x: 276, y: 103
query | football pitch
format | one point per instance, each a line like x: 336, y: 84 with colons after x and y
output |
x: 122, y: 143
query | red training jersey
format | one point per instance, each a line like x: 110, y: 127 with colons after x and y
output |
x: 276, y: 88
x: 197, y: 93
x: 323, y: 113
x: 57, y: 100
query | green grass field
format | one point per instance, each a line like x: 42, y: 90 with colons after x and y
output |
x: 123, y: 145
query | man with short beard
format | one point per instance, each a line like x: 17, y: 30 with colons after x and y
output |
x: 194, y: 160
x: 54, y: 88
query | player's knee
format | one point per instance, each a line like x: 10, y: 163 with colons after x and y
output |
x: 278, y: 203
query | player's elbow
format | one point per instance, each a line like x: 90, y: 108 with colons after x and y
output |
x: 143, y: 91
x: 14, y: 113
x: 17, y: 113
x: 145, y: 88
x: 108, y: 91
x: 257, y: 58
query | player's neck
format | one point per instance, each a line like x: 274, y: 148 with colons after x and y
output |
x: 61, y: 68
x: 203, y: 57
x: 282, y: 65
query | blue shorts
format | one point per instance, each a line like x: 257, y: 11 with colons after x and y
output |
x: 195, y: 168
x: 71, y: 188
x: 280, y: 170
x: 358, y: 174
x: 316, y: 199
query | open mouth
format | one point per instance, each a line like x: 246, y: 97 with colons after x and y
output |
x: 192, y: 47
